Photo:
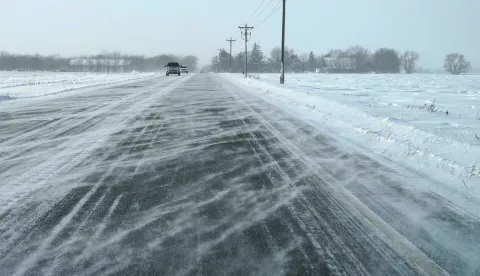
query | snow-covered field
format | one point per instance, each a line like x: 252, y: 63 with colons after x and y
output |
x: 32, y: 84
x: 399, y: 117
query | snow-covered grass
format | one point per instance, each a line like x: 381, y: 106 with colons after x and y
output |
x: 399, y: 117
x: 32, y: 84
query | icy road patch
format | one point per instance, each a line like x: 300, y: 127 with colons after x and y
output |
x: 15, y: 85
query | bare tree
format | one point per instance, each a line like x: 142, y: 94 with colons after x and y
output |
x: 362, y: 56
x: 409, y: 61
x: 91, y: 64
x: 456, y: 64
x: 117, y: 57
x: 337, y: 53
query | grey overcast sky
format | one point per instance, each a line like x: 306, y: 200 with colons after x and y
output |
x: 431, y: 27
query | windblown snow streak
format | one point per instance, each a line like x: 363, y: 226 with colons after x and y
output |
x: 18, y: 85
x: 183, y: 176
x: 401, y: 117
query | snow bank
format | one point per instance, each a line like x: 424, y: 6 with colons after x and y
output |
x: 33, y: 84
x: 400, y: 117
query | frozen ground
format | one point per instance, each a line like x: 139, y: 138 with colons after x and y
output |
x: 198, y: 175
x: 393, y: 116
x: 32, y: 84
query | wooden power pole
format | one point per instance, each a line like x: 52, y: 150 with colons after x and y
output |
x: 220, y: 67
x: 231, y: 41
x: 282, y: 62
x: 246, y: 35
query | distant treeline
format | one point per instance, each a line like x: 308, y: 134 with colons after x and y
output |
x: 9, y: 62
x: 355, y: 59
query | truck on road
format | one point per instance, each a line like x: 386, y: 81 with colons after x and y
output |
x: 173, y: 68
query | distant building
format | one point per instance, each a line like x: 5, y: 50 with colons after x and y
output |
x: 341, y: 65
x: 99, y: 65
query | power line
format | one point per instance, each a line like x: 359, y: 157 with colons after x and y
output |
x: 275, y: 9
x: 255, y: 10
x: 264, y: 8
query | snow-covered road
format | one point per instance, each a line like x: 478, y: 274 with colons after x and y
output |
x: 194, y: 175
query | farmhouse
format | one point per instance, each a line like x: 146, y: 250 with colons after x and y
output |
x: 341, y: 65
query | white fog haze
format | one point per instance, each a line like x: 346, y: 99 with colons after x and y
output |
x: 431, y: 27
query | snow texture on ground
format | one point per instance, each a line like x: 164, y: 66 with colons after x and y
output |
x: 195, y: 175
x: 173, y: 176
x: 400, y: 117
x: 14, y: 85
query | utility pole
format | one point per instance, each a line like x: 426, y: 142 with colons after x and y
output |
x: 215, y: 64
x: 231, y: 40
x: 220, y: 60
x: 246, y: 35
x: 282, y: 62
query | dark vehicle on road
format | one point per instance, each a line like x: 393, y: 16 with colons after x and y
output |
x: 173, y: 68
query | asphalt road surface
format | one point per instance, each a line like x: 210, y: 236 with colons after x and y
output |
x: 191, y: 175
